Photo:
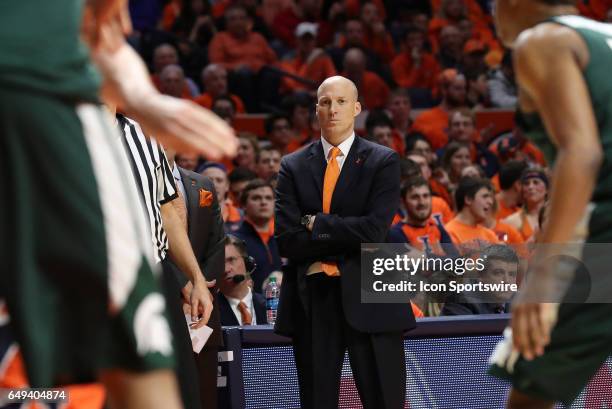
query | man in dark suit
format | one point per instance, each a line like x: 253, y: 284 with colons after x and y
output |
x: 238, y: 304
x: 333, y: 195
x: 205, y: 230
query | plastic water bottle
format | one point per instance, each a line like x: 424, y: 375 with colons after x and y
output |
x: 272, y: 293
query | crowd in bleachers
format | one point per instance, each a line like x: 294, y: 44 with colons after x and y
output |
x: 423, y: 70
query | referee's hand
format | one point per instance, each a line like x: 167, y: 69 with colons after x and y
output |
x: 201, y: 301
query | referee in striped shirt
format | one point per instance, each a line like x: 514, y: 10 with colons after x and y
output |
x: 169, y: 238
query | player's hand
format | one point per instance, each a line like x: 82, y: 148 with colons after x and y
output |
x: 179, y: 124
x: 532, y: 324
x: 201, y: 301
x: 185, y: 126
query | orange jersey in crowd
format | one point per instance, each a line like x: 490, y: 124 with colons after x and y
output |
x: 315, y: 68
x: 503, y: 211
x: 426, y: 237
x: 206, y: 100
x: 433, y: 123
x: 462, y: 233
x: 441, y: 208
x: 230, y: 52
x: 507, y: 234
x: 373, y: 91
x: 406, y: 75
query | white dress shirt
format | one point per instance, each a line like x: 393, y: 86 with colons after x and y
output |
x: 248, y: 300
x: 344, y: 147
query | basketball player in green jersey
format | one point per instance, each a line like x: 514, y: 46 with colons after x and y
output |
x: 562, y: 63
x: 76, y: 265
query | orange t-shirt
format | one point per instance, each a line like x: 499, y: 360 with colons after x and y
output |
x: 433, y: 123
x: 206, y: 100
x: 440, y: 207
x: 373, y: 90
x: 229, y: 51
x: 503, y: 211
x: 462, y: 233
x: 407, y: 75
x: 317, y: 70
x: 421, y: 237
x: 507, y: 234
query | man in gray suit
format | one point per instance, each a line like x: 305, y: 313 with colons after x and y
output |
x: 205, y: 230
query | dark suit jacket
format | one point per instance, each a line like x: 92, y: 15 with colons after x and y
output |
x: 228, y: 318
x: 205, y: 231
x: 365, y: 199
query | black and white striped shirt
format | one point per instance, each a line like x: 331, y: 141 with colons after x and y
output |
x: 153, y: 176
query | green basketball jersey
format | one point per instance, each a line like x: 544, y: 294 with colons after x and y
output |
x: 41, y: 49
x: 597, y: 74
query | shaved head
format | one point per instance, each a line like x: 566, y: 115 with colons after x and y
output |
x: 340, y: 81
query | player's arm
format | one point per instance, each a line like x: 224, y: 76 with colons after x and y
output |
x: 178, y: 123
x: 548, y: 64
x: 182, y: 255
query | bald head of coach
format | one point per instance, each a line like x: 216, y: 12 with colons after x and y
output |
x: 332, y: 195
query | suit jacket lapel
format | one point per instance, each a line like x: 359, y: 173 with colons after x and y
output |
x: 317, y: 163
x: 350, y: 172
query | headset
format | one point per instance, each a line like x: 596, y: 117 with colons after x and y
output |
x: 249, y: 261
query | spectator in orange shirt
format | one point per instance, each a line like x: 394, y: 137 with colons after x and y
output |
x: 462, y: 129
x: 474, y: 198
x: 279, y: 132
x: 414, y: 67
x: 164, y: 55
x: 417, y: 144
x: 248, y: 149
x: 268, y: 162
x: 214, y: 78
x: 354, y: 37
x: 399, y: 108
x: 379, y: 129
x: 505, y: 232
x: 514, y: 146
x: 440, y: 206
x: 232, y: 216
x: 299, y: 11
x: 310, y: 62
x: 509, y: 198
x: 418, y: 228
x: 456, y: 158
x: 433, y: 123
x: 373, y: 91
x: 534, y: 188
x: 376, y: 37
x: 243, y: 53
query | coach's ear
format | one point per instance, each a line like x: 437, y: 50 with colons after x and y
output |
x: 357, y: 108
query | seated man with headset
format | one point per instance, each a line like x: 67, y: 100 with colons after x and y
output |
x: 238, y: 304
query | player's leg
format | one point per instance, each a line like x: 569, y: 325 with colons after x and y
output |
x: 519, y: 400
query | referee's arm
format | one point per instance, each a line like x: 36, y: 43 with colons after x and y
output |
x: 182, y: 255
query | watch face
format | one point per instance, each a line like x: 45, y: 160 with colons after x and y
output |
x: 305, y: 220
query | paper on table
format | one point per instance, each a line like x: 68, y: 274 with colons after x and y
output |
x: 198, y: 336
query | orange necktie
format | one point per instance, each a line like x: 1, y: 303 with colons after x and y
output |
x: 245, y: 314
x: 332, y: 172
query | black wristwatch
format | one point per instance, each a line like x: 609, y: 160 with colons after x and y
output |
x: 305, y: 221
